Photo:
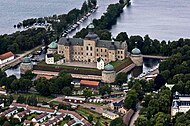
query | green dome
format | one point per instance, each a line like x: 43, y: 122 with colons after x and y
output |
x: 108, y: 67
x: 136, y: 51
x: 52, y: 45
x: 91, y: 26
x: 26, y: 60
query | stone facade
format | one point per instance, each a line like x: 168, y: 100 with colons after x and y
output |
x: 25, y: 65
x: 136, y: 57
x: 108, y: 74
x: 91, y: 48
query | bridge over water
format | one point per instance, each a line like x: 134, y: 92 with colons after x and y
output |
x: 155, y: 57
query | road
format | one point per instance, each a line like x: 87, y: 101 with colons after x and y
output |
x: 136, y: 115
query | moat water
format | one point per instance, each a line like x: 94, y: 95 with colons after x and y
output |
x: 147, y: 65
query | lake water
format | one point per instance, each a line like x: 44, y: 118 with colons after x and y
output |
x: 161, y: 19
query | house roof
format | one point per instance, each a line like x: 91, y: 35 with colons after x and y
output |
x: 120, y: 103
x: 6, y: 55
x: 75, y: 98
x: 110, y: 113
x: 49, y: 55
x: 89, y: 83
x: 127, y: 117
x: 41, y: 116
x: 53, y: 45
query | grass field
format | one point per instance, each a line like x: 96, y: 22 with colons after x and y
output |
x: 96, y: 116
x: 39, y: 97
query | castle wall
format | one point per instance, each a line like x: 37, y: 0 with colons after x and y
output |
x: 108, y: 76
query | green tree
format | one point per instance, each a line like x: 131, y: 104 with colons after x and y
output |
x: 131, y: 100
x: 141, y: 121
x: 106, y: 89
x: 122, y: 36
x: 90, y: 118
x: 117, y: 122
x: 87, y: 93
x: 121, y: 78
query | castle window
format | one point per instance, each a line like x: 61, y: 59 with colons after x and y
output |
x: 87, y: 48
x: 105, y: 55
x: 59, y: 51
x: 97, y: 50
x: 121, y: 56
x: 90, y: 54
x: 101, y: 50
x: 118, y: 52
x: 121, y: 52
x: 91, y: 48
x: 87, y: 54
x: 81, y: 53
x: 62, y: 51
x: 78, y: 53
x: 105, y: 50
x: 81, y: 48
x: 118, y: 56
x: 75, y: 52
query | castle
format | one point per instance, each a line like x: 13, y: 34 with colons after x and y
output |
x: 89, y: 49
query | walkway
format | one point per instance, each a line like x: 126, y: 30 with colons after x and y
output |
x: 155, y: 57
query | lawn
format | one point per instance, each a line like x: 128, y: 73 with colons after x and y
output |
x: 40, y: 98
x: 64, y: 66
x: 86, y: 112
x: 30, y: 117
x: 120, y: 62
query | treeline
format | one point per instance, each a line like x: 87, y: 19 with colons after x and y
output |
x: 22, y: 41
x: 57, y: 85
x: 176, y: 69
x: 156, y: 109
x: 30, y: 100
x: 138, y: 88
x: 14, y: 85
x: 150, y: 46
x: 106, y: 21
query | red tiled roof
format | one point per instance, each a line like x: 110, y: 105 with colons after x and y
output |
x: 6, y: 55
x: 89, y: 83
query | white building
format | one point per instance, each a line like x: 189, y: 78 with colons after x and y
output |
x: 6, y: 57
x: 110, y: 115
x: 2, y: 105
x: 100, y: 63
x: 180, y: 103
x: 49, y: 59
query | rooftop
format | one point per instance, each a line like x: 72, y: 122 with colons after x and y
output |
x: 89, y: 83
x: 74, y: 98
x: 109, y: 67
x: 52, y: 45
x: 6, y: 55
x: 136, y: 51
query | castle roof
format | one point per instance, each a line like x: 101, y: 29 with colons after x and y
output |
x: 26, y: 60
x: 99, y: 43
x: 108, y: 67
x: 52, y: 45
x: 136, y: 51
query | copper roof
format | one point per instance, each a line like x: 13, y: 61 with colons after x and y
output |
x: 89, y: 83
x: 6, y: 55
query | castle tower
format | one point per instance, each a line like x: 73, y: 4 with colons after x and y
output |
x: 26, y: 65
x: 136, y: 57
x: 108, y: 74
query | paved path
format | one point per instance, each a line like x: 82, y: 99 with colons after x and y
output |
x: 136, y: 115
